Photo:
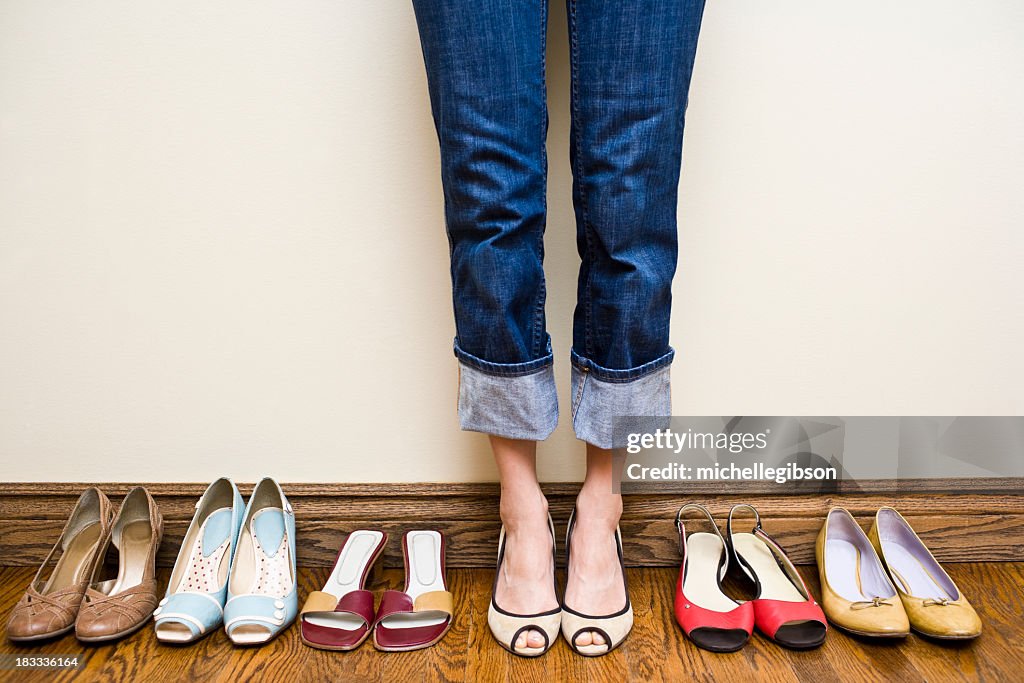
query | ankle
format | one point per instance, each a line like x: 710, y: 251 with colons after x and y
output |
x: 598, y: 507
x: 523, y: 510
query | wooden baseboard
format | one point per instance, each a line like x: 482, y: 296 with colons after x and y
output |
x: 973, y: 520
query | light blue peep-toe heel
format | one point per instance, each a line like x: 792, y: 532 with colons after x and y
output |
x: 194, y: 602
x: 262, y: 594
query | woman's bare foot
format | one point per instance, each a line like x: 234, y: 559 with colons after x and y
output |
x: 595, y: 585
x: 526, y: 581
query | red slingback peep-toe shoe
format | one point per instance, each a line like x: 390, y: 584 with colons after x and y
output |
x: 784, y: 609
x: 710, y: 618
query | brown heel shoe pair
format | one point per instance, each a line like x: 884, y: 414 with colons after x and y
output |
x: 71, y: 594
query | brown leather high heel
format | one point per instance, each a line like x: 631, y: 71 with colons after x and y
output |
x: 51, y: 603
x: 116, y: 607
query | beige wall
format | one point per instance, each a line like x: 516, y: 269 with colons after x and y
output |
x: 222, y: 250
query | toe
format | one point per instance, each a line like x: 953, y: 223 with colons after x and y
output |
x: 585, y: 639
x: 597, y: 638
x: 535, y: 639
x: 520, y: 641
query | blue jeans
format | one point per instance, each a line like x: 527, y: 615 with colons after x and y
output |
x: 631, y: 66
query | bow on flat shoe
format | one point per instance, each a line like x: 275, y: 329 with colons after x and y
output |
x: 867, y: 604
x: 921, y: 582
x: 854, y: 584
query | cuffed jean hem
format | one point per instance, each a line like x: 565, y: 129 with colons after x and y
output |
x: 514, y: 400
x: 601, y: 396
x: 628, y: 375
x: 506, y: 369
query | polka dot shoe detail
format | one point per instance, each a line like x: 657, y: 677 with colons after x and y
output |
x: 262, y: 593
x: 193, y: 605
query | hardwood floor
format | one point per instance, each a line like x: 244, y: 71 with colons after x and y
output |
x: 656, y: 650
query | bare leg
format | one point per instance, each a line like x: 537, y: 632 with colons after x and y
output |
x: 595, y: 584
x: 526, y: 583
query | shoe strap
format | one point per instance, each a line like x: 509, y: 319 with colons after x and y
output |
x: 124, y: 603
x: 73, y: 526
x: 64, y: 603
x: 681, y: 528
x: 207, y: 607
x: 257, y: 607
x: 358, y: 603
x: 732, y: 513
x: 434, y: 603
x: 780, y: 555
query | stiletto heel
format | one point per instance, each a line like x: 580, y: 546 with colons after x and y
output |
x: 613, y: 627
x: 507, y: 626
x: 784, y: 609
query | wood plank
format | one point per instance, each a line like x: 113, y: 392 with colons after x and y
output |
x: 656, y: 650
x: 995, y: 592
x: 53, y: 500
x: 485, y: 659
x: 446, y: 661
x: 983, y: 521
x: 986, y: 485
x: 650, y: 646
x: 647, y: 543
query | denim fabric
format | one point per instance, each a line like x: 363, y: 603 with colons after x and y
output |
x: 597, y: 402
x: 519, y: 407
x: 631, y: 63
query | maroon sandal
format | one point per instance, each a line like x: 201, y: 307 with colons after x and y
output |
x: 420, y: 615
x: 341, y: 616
